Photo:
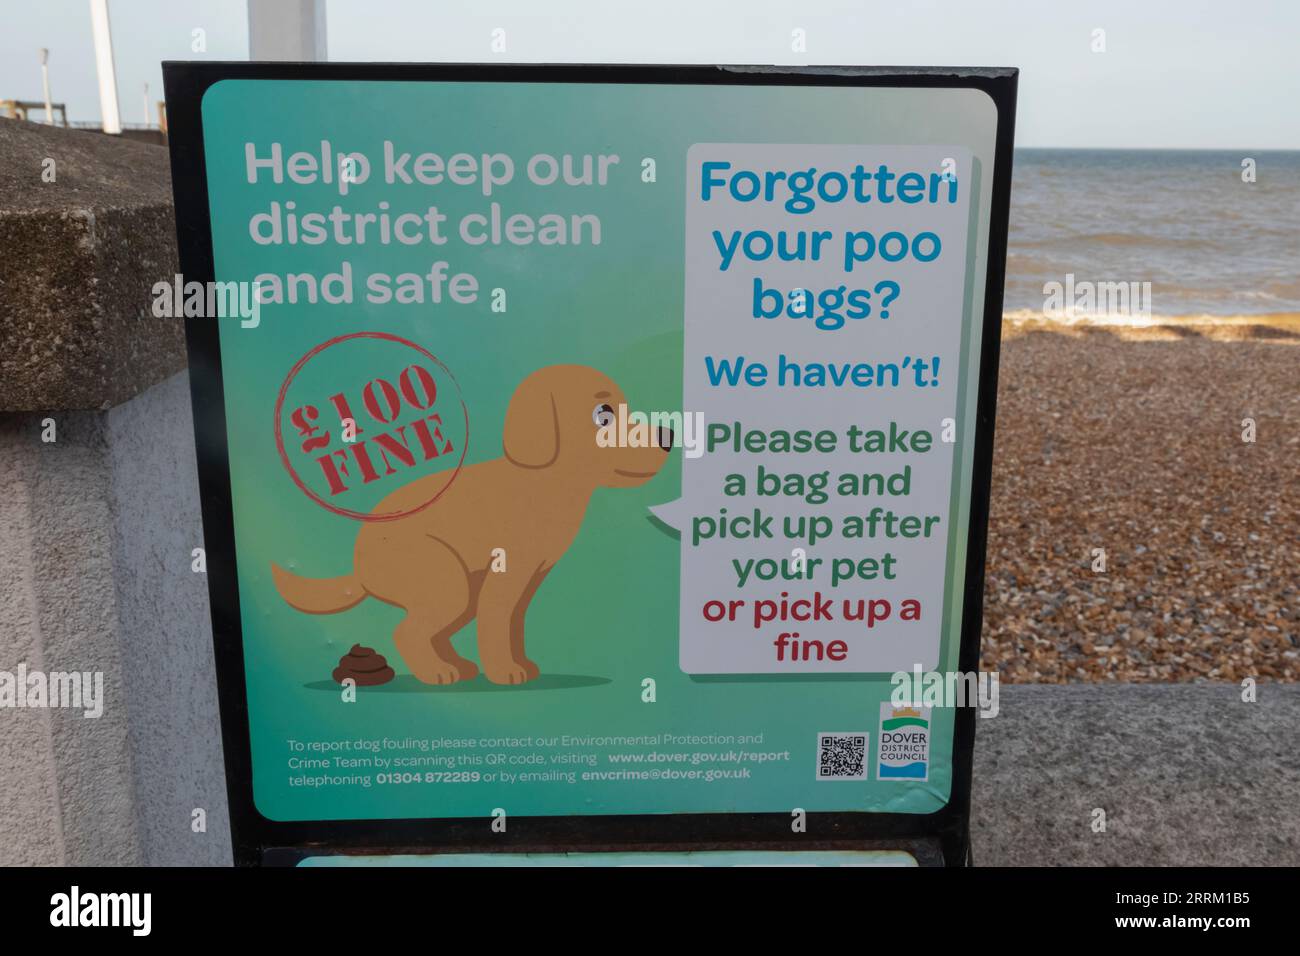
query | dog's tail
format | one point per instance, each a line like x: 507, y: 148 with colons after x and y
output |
x: 318, y: 595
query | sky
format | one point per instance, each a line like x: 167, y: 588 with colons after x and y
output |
x: 1175, y: 73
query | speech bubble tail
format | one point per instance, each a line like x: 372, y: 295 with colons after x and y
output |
x: 667, y: 517
x: 664, y: 526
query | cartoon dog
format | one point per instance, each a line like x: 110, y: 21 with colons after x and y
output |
x: 434, y: 564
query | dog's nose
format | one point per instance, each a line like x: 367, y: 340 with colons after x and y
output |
x: 665, y: 438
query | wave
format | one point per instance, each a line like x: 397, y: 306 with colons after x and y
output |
x: 1121, y: 239
x: 1287, y: 321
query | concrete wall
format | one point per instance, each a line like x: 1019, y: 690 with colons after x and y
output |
x: 1187, y: 774
x: 169, y: 674
x: 95, y: 576
x: 97, y: 526
x: 65, y: 779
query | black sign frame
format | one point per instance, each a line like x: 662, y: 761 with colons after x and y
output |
x: 940, y: 837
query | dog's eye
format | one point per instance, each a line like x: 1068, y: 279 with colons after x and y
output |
x: 602, y: 415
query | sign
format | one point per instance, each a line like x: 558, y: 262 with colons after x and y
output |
x: 586, y: 450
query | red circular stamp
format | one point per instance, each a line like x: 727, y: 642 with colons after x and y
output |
x: 402, y: 432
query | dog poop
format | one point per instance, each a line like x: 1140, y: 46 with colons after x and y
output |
x: 364, y: 666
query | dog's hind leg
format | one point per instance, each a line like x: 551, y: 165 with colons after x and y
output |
x: 442, y: 640
x: 428, y: 580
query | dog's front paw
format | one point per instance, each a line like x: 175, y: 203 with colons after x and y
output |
x: 441, y: 673
x: 512, y: 673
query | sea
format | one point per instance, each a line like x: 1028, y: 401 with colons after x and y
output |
x: 1215, y: 233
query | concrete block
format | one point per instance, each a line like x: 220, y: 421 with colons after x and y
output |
x: 78, y: 259
x: 1188, y: 775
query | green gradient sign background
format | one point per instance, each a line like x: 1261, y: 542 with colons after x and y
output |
x: 606, y: 618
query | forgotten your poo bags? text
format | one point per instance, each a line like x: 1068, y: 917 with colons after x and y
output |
x: 824, y: 311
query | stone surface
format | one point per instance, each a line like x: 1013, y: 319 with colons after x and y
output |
x: 166, y: 628
x: 30, y: 831
x: 1135, y: 448
x: 78, y: 259
x: 65, y: 779
x: 95, y: 575
x: 1188, y: 775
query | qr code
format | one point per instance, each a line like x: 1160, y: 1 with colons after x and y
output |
x: 842, y: 756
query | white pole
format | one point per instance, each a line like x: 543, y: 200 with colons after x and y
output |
x: 45, y: 85
x: 146, y: 104
x: 112, y: 120
x: 286, y: 30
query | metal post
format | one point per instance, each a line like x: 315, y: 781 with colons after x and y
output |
x: 286, y: 30
x: 112, y: 120
x: 45, y: 85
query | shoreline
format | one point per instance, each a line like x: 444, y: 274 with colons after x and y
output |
x: 1282, y: 327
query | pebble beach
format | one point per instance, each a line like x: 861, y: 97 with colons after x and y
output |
x: 1130, y: 440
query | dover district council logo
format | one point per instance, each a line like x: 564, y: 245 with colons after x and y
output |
x: 904, y: 750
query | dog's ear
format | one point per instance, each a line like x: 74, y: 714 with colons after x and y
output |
x: 532, y: 432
